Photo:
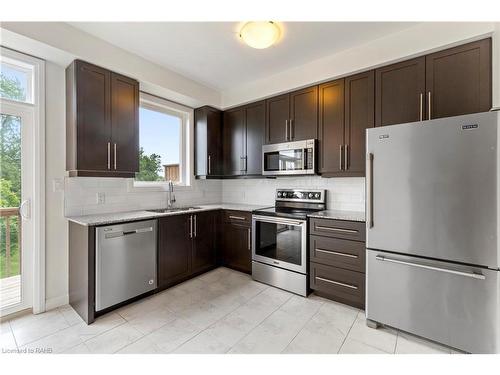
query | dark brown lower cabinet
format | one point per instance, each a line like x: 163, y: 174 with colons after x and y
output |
x: 186, y: 246
x: 337, y: 254
x: 174, y: 249
x: 237, y: 241
x: 204, y: 241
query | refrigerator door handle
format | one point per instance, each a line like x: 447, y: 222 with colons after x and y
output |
x: 369, y: 189
x: 433, y: 268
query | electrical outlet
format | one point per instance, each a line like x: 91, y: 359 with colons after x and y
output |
x: 101, y: 198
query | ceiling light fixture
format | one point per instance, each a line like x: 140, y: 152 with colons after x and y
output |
x: 261, y: 34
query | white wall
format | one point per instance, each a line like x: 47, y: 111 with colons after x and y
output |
x: 347, y: 193
x: 56, y: 236
x: 415, y: 41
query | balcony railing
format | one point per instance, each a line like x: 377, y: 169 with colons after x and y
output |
x: 11, y: 219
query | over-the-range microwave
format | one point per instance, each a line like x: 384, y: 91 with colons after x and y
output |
x: 290, y: 158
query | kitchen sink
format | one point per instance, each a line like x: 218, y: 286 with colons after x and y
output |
x: 173, y: 209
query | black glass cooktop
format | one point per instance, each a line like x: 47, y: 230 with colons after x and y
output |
x: 292, y: 213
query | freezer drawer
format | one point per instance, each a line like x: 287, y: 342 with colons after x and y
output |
x: 452, y: 304
x: 125, y: 262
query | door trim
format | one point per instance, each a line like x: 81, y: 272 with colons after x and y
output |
x: 38, y: 161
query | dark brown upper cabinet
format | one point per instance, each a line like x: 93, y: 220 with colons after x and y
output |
x: 102, y: 122
x: 331, y: 126
x: 400, y: 92
x: 234, y: 142
x: 293, y: 116
x: 452, y: 82
x: 244, y: 129
x: 458, y: 80
x: 208, y: 142
x: 346, y: 110
x: 359, y: 116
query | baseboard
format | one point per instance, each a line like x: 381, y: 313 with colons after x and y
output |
x: 54, y: 302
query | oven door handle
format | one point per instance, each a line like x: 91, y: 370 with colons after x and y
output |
x: 277, y: 220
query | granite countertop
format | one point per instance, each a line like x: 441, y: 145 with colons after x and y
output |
x: 121, y: 217
x: 339, y: 215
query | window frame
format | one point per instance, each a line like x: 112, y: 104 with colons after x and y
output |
x: 15, y: 63
x: 155, y: 103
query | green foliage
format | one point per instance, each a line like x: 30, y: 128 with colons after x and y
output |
x: 149, y: 167
x: 10, y: 174
x: 11, y: 88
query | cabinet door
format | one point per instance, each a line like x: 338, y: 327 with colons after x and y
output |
x: 237, y: 250
x: 124, y: 123
x: 255, y: 125
x: 458, y: 80
x: 234, y: 142
x: 277, y: 119
x: 174, y: 249
x: 214, y: 142
x: 359, y: 116
x: 204, y: 233
x: 331, y: 126
x: 93, y: 117
x: 304, y: 114
x: 400, y: 92
x: 208, y: 141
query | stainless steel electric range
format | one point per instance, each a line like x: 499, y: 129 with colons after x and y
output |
x: 279, y: 246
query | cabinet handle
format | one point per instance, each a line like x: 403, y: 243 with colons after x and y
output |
x: 341, y: 166
x: 209, y: 169
x: 190, y: 226
x: 336, y: 253
x: 286, y: 130
x: 237, y: 217
x: 346, y: 157
x: 350, y: 286
x: 333, y: 229
x: 421, y: 106
x: 249, y: 240
x: 429, y: 103
x: 291, y: 129
x: 195, y: 227
x: 114, y: 149
x: 109, y: 155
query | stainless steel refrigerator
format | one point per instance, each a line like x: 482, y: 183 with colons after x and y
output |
x: 433, y: 217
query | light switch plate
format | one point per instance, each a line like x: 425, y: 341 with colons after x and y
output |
x: 101, y: 198
x: 57, y: 185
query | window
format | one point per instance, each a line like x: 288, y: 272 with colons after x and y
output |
x: 17, y: 80
x: 163, y: 142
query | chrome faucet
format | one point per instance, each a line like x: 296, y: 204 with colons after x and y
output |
x: 171, y: 195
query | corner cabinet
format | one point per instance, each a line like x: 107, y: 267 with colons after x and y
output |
x: 243, y: 136
x: 208, y: 161
x: 102, y: 122
x: 186, y: 246
x: 346, y: 110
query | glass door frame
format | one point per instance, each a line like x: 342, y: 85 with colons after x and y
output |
x: 302, y: 268
x: 32, y: 185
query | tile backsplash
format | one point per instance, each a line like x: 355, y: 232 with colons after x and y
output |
x: 342, y: 193
x: 118, y: 194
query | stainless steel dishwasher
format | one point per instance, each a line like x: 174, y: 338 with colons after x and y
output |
x: 125, y: 262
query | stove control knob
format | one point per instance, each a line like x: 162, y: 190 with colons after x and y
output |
x: 279, y: 194
x: 310, y: 195
x: 316, y: 195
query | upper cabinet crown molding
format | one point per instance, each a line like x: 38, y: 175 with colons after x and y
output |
x: 102, y: 122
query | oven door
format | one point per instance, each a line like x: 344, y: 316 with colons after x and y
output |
x: 280, y: 242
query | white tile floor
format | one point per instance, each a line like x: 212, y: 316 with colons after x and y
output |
x: 222, y: 311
